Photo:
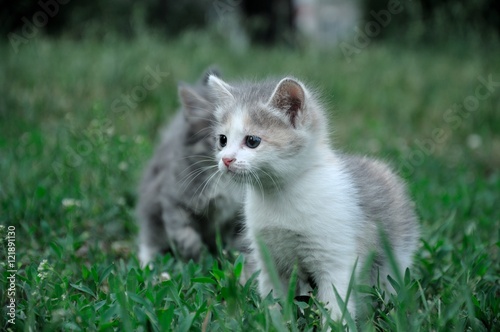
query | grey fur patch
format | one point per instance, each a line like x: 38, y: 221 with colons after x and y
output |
x: 385, y: 202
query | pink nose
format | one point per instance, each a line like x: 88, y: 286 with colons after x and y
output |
x: 228, y: 161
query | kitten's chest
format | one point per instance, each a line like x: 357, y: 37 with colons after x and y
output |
x: 285, y: 210
x: 308, y: 224
x: 318, y: 204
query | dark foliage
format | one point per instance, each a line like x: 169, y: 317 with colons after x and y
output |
x: 438, y: 18
x: 265, y: 21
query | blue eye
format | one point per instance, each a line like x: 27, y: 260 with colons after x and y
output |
x: 252, y: 141
x: 222, y: 140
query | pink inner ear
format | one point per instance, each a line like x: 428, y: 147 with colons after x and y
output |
x: 289, y: 97
x: 294, y: 90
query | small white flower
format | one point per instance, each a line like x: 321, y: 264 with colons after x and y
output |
x: 164, y: 276
x: 44, y: 269
x: 68, y: 202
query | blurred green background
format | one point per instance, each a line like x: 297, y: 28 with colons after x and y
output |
x: 87, y: 86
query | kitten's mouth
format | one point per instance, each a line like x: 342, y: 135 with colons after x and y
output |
x: 238, y: 175
x: 247, y: 177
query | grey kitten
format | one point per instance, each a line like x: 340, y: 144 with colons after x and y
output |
x: 308, y: 205
x: 181, y: 205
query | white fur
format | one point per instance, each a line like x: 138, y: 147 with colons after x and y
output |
x: 321, y: 207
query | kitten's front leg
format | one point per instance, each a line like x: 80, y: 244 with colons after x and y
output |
x: 184, y: 238
x: 267, y: 285
x: 188, y: 243
x: 264, y: 281
x: 326, y: 294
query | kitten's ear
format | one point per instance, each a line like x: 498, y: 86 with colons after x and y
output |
x: 220, y: 89
x: 289, y: 96
x: 194, y: 105
x: 212, y: 70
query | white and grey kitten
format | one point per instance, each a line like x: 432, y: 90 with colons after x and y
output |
x: 307, y: 204
x: 181, y: 205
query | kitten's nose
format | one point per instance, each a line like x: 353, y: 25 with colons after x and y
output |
x: 228, y: 161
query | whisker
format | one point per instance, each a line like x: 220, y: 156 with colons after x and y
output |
x: 214, y: 189
x: 272, y: 179
x: 259, y: 182
x: 201, y: 130
x: 199, y: 162
x: 197, y: 172
x: 217, y: 183
x: 190, y: 178
x: 204, y: 184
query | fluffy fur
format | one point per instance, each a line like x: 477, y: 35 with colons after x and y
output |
x: 306, y: 204
x: 181, y: 204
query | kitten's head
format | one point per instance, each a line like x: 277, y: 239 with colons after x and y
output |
x: 265, y: 132
x: 198, y: 108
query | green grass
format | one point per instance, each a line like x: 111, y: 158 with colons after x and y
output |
x: 70, y: 166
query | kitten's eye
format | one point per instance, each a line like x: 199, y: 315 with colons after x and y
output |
x: 252, y: 141
x: 222, y: 140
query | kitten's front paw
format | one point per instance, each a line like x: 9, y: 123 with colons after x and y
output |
x: 188, y: 243
x: 145, y: 255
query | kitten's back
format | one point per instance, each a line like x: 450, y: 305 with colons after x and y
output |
x: 383, y: 199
